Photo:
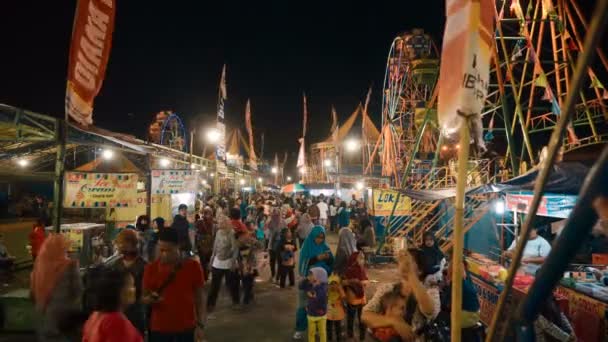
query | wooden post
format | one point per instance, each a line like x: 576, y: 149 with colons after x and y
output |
x: 458, y: 235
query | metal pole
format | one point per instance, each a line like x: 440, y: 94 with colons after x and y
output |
x: 149, y: 186
x: 61, y: 137
x: 598, y: 26
x: 458, y: 235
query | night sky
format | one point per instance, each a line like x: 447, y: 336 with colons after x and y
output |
x: 168, y: 55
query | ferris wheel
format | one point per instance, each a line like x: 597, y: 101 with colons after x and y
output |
x: 411, y: 74
x: 537, y: 43
x: 168, y: 130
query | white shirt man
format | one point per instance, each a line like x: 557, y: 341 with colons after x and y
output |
x: 323, y: 209
x: 537, y: 249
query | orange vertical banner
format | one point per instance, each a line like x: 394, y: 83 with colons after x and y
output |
x: 89, y: 54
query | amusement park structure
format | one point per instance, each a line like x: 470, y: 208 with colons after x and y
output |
x: 536, y: 44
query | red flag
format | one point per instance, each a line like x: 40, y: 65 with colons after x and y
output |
x: 223, y: 92
x: 89, y: 54
x: 252, y: 158
x: 334, y: 119
x: 305, y: 116
x: 369, y: 95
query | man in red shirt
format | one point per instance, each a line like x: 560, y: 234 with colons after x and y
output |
x: 235, y: 219
x: 174, y: 288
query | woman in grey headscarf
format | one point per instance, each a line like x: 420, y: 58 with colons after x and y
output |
x: 347, y: 245
x: 304, y: 228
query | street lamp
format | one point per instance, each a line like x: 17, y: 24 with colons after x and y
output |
x: 213, y: 135
x: 352, y: 145
x: 23, y: 162
x: 242, y: 181
x: 275, y: 170
x: 289, y: 178
x: 193, y: 166
x: 211, y: 175
x: 359, y: 185
x: 204, y: 168
x: 260, y: 180
x: 327, y: 162
x: 164, y: 162
x: 107, y: 154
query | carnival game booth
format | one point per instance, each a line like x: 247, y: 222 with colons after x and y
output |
x: 580, y: 296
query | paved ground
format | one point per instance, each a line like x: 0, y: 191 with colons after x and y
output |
x: 272, y: 318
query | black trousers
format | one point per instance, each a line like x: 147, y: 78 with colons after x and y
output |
x: 331, y: 326
x: 247, y: 281
x: 285, y: 271
x: 353, y: 311
x: 274, y: 261
x: 232, y: 283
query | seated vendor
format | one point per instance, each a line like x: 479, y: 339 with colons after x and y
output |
x: 536, y: 251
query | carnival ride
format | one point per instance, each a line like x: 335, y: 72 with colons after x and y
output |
x: 533, y: 61
x: 168, y: 130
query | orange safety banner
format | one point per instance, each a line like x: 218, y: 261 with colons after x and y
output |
x: 89, y: 54
x: 465, y: 62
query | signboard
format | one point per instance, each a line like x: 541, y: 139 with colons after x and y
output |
x: 587, y: 315
x: 100, y: 190
x: 551, y: 205
x: 382, y: 202
x: 488, y: 297
x: 174, y: 181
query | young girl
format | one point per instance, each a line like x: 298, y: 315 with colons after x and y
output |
x: 113, y: 292
x: 335, y: 308
x: 315, y: 286
x: 287, y: 256
x: 393, y: 306
x: 355, y: 280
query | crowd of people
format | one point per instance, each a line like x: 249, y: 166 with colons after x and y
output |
x: 153, y: 286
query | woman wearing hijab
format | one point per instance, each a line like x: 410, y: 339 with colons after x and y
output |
x: 347, y: 245
x: 314, y: 253
x: 275, y: 226
x: 304, y: 228
x: 432, y: 259
x: 56, y: 290
x: 224, y: 263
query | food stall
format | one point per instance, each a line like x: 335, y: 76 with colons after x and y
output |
x: 580, y: 296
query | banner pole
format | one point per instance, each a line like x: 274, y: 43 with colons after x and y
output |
x: 61, y: 136
x: 458, y: 235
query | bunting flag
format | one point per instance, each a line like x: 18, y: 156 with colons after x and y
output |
x: 304, y: 124
x: 605, y: 95
x: 529, y: 10
x: 517, y: 52
x: 547, y: 8
x: 252, y: 158
x: 465, y: 67
x: 596, y: 83
x: 334, y: 119
x: 220, y: 149
x: 516, y: 9
x: 541, y: 80
x: 548, y: 95
x: 301, y: 154
x: 89, y: 55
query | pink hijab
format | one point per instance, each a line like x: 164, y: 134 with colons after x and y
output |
x: 50, y: 265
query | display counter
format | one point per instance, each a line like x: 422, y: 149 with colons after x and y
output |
x: 584, y: 303
x: 86, y: 241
